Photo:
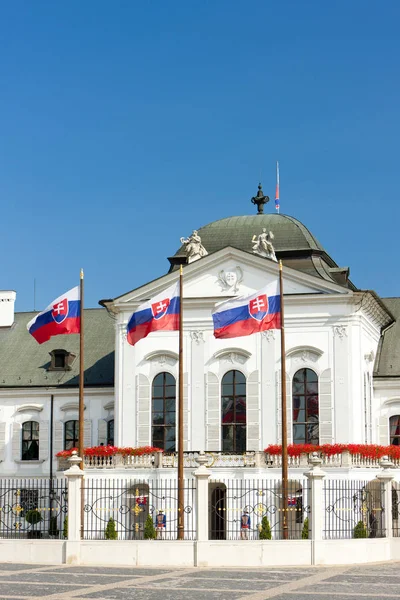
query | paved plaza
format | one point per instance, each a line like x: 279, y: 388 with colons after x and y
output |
x: 369, y: 582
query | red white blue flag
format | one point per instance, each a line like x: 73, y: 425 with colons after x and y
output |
x: 62, y: 316
x: 160, y: 313
x: 249, y: 314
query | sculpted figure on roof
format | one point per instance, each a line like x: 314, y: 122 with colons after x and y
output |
x: 194, y: 248
x: 262, y: 245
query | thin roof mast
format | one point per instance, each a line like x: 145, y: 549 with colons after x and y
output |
x: 277, y: 188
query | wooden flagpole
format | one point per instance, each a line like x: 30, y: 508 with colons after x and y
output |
x: 181, y: 504
x: 81, y: 377
x: 81, y: 398
x: 284, y: 507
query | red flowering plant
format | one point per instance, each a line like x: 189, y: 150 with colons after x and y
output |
x: 372, y: 451
x: 103, y: 451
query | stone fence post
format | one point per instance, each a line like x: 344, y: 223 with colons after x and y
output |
x: 315, y: 476
x: 202, y: 475
x: 74, y: 475
x: 386, y: 477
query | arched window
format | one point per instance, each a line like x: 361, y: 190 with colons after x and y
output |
x: 164, y: 412
x: 305, y: 407
x: 110, y: 432
x: 394, y: 424
x: 233, y: 412
x: 30, y: 440
x: 71, y: 434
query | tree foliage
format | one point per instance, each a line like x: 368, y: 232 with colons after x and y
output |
x: 111, y: 532
x: 265, y: 531
x: 149, y: 529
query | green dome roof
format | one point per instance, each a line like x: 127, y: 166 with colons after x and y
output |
x: 289, y: 233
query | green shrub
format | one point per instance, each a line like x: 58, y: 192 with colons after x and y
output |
x: 65, y: 528
x: 149, y: 529
x: 53, y: 529
x: 110, y: 532
x: 265, y: 531
x: 360, y: 531
x: 304, y: 531
x: 33, y: 516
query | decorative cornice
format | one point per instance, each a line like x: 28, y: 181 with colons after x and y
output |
x: 26, y: 407
x: 71, y: 406
x: 162, y: 357
x: 232, y: 355
x: 304, y: 354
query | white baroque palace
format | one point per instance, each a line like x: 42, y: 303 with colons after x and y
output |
x: 342, y: 362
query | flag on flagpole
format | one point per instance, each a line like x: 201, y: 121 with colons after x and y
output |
x: 250, y: 314
x: 62, y: 316
x: 277, y: 205
x: 160, y: 313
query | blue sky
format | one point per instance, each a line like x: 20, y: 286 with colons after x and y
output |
x: 125, y: 124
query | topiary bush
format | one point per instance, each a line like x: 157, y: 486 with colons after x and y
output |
x: 149, y: 529
x: 110, y: 532
x: 65, y: 528
x: 360, y: 531
x: 304, y: 531
x: 265, y: 531
x: 33, y: 516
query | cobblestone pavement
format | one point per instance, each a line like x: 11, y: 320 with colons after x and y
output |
x: 369, y: 582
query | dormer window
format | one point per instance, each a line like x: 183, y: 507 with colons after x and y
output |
x: 61, y: 360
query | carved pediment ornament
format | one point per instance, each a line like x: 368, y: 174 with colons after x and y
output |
x: 161, y: 357
x: 304, y: 354
x: 269, y: 335
x: 232, y: 355
x: 340, y: 331
x: 197, y: 336
x: 231, y: 280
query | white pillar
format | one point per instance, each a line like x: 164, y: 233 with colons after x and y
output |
x: 315, y: 476
x: 202, y: 475
x: 74, y: 475
x: 386, y: 477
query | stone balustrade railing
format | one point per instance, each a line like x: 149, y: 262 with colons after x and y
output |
x: 224, y: 460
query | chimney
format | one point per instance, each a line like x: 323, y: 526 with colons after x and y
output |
x: 7, y: 302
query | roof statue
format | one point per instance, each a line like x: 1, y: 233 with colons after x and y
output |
x: 194, y: 248
x: 260, y: 200
x: 262, y: 245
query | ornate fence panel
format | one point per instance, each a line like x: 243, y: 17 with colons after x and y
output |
x: 353, y: 509
x: 137, y: 509
x: 33, y: 508
x: 253, y: 509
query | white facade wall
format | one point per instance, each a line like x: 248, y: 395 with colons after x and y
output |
x: 19, y: 406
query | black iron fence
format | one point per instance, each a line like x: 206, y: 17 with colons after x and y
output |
x: 256, y: 509
x: 396, y: 508
x: 353, y: 509
x: 132, y: 509
x: 33, y: 508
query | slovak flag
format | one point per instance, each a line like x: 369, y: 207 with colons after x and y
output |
x: 248, y: 314
x: 161, y: 313
x: 62, y: 316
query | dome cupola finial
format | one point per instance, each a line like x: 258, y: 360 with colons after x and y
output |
x: 260, y: 200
